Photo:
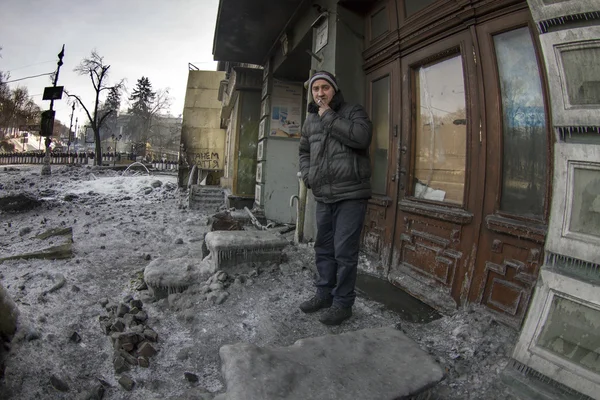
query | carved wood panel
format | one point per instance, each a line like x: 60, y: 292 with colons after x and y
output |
x: 431, y: 248
x: 509, y: 276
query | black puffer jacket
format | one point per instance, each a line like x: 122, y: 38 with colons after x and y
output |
x: 334, y: 152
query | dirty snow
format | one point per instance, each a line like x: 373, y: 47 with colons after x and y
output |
x: 123, y: 222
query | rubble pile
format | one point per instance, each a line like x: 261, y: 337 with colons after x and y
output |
x: 134, y: 342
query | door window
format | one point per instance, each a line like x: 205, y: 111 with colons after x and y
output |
x: 380, y: 110
x: 413, y: 6
x: 525, y: 141
x: 441, y: 132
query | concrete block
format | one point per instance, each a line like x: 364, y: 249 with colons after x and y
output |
x: 229, y: 249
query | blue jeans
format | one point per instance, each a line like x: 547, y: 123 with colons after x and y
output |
x: 339, y: 226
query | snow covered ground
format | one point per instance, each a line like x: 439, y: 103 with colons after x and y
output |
x: 120, y: 224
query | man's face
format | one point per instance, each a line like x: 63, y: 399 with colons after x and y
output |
x: 322, y: 92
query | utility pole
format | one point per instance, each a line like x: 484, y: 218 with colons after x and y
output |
x: 70, y: 132
x: 47, y: 128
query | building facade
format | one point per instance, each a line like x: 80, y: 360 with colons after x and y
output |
x: 485, y: 135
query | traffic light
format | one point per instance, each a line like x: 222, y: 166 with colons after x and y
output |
x: 47, y: 123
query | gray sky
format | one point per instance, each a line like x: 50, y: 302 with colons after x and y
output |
x: 153, y: 38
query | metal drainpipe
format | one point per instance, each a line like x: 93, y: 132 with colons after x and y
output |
x: 302, y: 191
x: 300, y: 211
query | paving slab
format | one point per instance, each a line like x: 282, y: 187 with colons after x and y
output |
x: 369, y: 364
x: 229, y: 249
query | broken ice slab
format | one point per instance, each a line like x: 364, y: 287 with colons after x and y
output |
x: 369, y: 364
x: 61, y: 246
x: 231, y: 248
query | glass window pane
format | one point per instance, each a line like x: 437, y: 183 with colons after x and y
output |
x: 524, y: 125
x: 379, y: 23
x: 582, y: 75
x: 585, y: 214
x: 380, y: 111
x: 441, y: 132
x: 572, y: 331
x: 413, y: 6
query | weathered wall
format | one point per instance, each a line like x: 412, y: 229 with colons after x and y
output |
x: 201, y: 135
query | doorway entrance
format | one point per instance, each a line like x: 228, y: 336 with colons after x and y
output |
x: 470, y: 194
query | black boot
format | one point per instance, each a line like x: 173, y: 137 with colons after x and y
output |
x: 315, y: 303
x: 336, y: 315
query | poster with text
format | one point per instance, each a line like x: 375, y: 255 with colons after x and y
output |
x: 286, y: 109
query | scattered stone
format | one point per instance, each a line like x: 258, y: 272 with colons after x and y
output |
x: 122, y: 310
x: 130, y: 320
x: 126, y: 382
x: 222, y: 276
x: 147, y: 190
x: 143, y: 362
x: 61, y: 282
x: 141, y: 286
x: 97, y: 393
x: 25, y: 231
x: 120, y: 365
x: 216, y: 286
x: 156, y: 184
x: 118, y: 325
x: 74, y: 337
x: 137, y: 304
x: 32, y: 334
x: 70, y: 197
x: 212, y: 297
x: 222, y: 297
x: 179, y: 241
x: 131, y: 360
x: 150, y: 334
x: 147, y: 257
x: 146, y: 350
x: 141, y: 316
x: 75, y: 288
x: 190, y: 377
x: 59, y: 384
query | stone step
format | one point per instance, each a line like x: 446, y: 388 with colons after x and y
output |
x: 369, y: 364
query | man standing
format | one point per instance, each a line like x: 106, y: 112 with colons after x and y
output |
x: 335, y: 164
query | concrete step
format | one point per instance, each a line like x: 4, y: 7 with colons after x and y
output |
x: 203, y: 197
x: 369, y: 364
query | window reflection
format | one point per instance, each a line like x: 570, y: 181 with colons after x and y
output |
x: 585, y: 214
x: 582, y: 75
x: 380, y: 111
x: 379, y: 23
x: 413, y: 6
x: 524, y: 125
x: 441, y: 132
x: 571, y: 331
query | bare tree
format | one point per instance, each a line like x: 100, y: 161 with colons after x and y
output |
x: 94, y: 67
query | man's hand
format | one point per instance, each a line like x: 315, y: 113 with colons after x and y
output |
x: 322, y: 106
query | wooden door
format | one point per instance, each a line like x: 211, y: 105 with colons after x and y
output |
x: 382, y: 106
x: 518, y: 169
x: 440, y: 179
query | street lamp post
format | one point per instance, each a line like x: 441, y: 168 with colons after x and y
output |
x: 48, y: 119
x: 115, y: 140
